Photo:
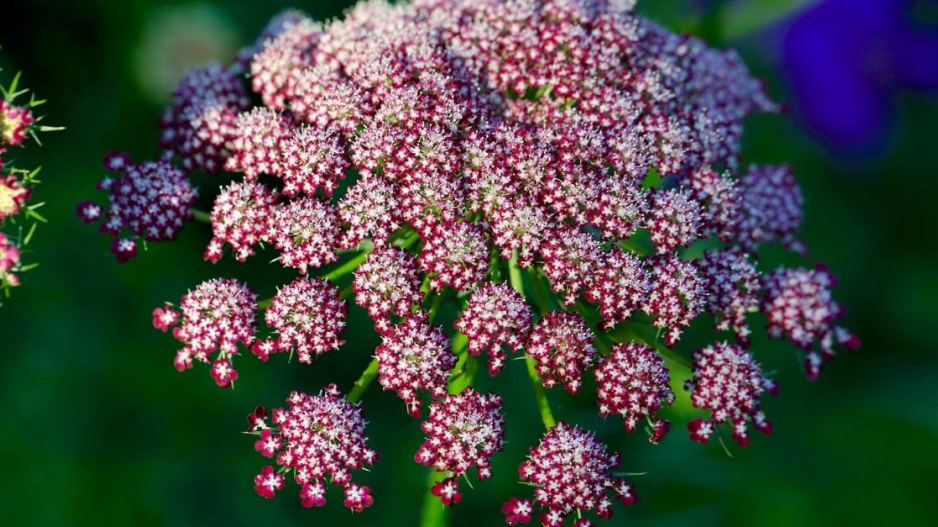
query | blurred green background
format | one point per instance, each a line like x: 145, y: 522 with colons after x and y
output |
x: 99, y: 429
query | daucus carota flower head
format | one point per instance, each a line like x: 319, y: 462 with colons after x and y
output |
x: 463, y: 431
x: 370, y: 208
x: 151, y: 201
x: 306, y: 231
x: 572, y: 473
x: 562, y: 345
x: 318, y: 439
x: 313, y: 159
x: 571, y: 256
x: 770, y: 208
x: 718, y: 199
x: 201, y: 121
x: 496, y: 317
x: 732, y: 285
x: 242, y: 218
x: 437, y: 139
x: 414, y: 356
x: 218, y: 315
x: 633, y: 382
x: 729, y: 383
x: 455, y: 255
x: 15, y: 122
x: 676, y: 297
x: 12, y: 196
x: 620, y: 286
x: 387, y: 284
x: 308, y: 317
x: 799, y: 305
x: 257, y: 143
x: 674, y: 219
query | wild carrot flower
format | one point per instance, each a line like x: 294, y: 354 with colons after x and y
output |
x: 305, y: 231
x: 562, y: 345
x: 496, y: 317
x: 242, y: 217
x: 318, y: 439
x: 799, y: 305
x: 620, y: 286
x: 676, y: 297
x: 308, y: 317
x: 634, y: 383
x: 572, y: 473
x: 729, y: 383
x: 414, y: 356
x: 463, y: 431
x: 732, y: 289
x: 387, y: 283
x: 218, y: 315
x: 201, y: 121
x: 151, y: 200
x: 770, y: 208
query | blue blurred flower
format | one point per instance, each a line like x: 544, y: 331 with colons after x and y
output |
x: 846, y: 60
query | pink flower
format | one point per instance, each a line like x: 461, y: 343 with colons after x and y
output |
x: 306, y: 232
x: 571, y: 257
x: 242, y: 217
x: 571, y: 471
x: 676, y: 297
x: 732, y: 285
x: 770, y: 209
x: 151, y: 200
x: 12, y: 196
x: 217, y: 316
x: 15, y: 123
x: 728, y: 382
x: 319, y: 439
x: 258, y: 142
x: 634, y: 383
x: 268, y: 482
x: 201, y: 121
x: 620, y: 286
x: 455, y: 255
x: 562, y: 345
x: 463, y: 431
x: 308, y: 316
x: 387, y: 284
x: 496, y: 317
x: 799, y: 305
x: 414, y: 356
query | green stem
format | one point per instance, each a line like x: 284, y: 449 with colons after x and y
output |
x: 434, y: 512
x: 540, y: 395
x: 201, y: 215
x: 346, y: 268
x: 367, y: 377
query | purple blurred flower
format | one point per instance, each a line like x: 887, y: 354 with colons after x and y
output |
x: 846, y: 60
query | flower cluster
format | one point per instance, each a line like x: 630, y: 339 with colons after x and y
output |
x: 572, y: 473
x: 218, y: 315
x: 414, y: 356
x: 463, y: 431
x: 634, y: 383
x: 728, y: 382
x: 18, y: 217
x: 308, y: 316
x: 799, y: 305
x: 151, y: 201
x: 497, y: 316
x: 242, y: 217
x: 562, y: 345
x: 319, y: 439
x: 420, y: 146
x: 387, y: 284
